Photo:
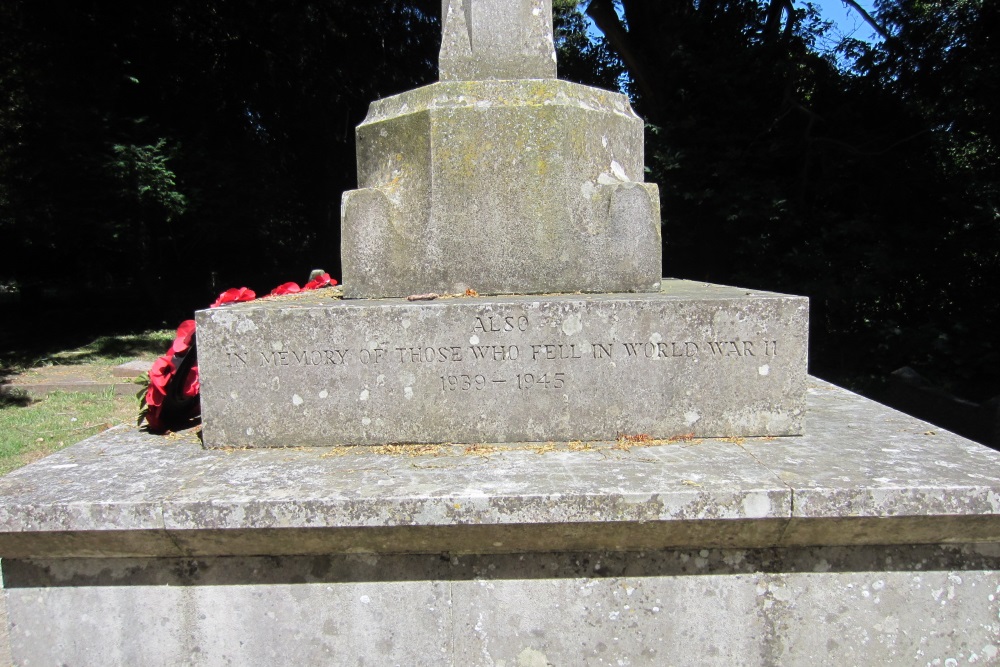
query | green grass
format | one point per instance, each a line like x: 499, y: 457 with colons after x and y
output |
x: 33, y: 428
x: 30, y: 430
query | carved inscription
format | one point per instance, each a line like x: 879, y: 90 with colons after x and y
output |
x: 498, y: 324
x: 491, y: 362
x: 337, y: 357
x: 521, y: 380
x: 429, y: 354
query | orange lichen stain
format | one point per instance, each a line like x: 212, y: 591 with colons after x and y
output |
x: 229, y: 450
x: 627, y: 441
x: 335, y: 452
x: 483, y: 450
x: 408, y: 450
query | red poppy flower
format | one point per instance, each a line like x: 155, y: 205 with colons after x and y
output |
x: 234, y: 295
x: 153, y: 421
x: 323, y: 280
x: 192, y: 384
x: 154, y: 408
x: 185, y: 332
x: 287, y: 288
x: 161, y: 373
x: 154, y: 397
x: 164, y: 408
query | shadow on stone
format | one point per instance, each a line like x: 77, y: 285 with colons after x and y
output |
x: 357, y: 568
x: 910, y: 392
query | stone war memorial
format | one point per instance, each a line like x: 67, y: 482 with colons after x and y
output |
x: 509, y: 440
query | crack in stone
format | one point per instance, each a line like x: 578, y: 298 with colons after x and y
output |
x: 791, y: 494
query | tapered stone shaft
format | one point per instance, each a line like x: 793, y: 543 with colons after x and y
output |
x: 497, y: 39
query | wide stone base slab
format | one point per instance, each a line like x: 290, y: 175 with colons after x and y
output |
x: 826, y: 606
x: 694, y: 359
x: 874, y: 538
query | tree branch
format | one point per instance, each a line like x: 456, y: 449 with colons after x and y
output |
x: 854, y: 150
x: 773, y: 19
x: 604, y: 16
x: 869, y: 19
x: 790, y: 21
x: 774, y: 11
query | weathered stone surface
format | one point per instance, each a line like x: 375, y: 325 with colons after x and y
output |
x: 910, y: 470
x: 669, y: 618
x: 126, y: 493
x: 845, y: 606
x: 613, y: 538
x: 182, y: 614
x: 5, y: 655
x: 497, y: 39
x: 694, y: 359
x: 505, y: 187
x: 797, y: 607
x: 939, y: 609
x: 130, y: 501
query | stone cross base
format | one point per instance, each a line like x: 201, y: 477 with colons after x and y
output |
x: 872, y: 539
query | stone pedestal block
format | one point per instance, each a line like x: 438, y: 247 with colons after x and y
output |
x: 693, y: 359
x: 505, y: 187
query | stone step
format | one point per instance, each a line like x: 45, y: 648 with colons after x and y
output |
x: 860, y: 474
x: 40, y: 389
x: 131, y: 369
x: 78, y: 382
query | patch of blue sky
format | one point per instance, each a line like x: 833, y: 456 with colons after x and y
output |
x: 847, y: 23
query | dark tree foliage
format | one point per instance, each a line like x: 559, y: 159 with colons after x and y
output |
x: 173, y: 149
x: 867, y: 184
x: 581, y: 58
x: 942, y: 59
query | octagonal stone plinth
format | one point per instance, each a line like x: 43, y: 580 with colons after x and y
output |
x: 505, y: 187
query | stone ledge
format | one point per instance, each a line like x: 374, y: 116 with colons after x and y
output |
x: 862, y: 474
